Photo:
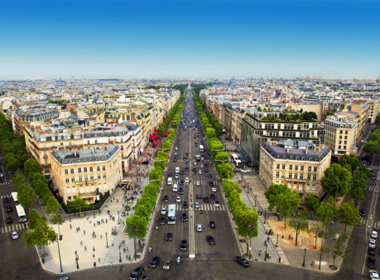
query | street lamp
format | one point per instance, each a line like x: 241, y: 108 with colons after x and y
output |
x: 106, y: 241
x: 59, y: 251
x: 119, y: 253
x: 304, y: 256
x: 320, y: 255
x: 118, y: 220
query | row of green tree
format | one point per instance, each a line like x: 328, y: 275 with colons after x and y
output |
x: 220, y: 157
x: 169, y: 117
x: 13, y: 147
x: 372, y: 145
x: 137, y: 224
x: 246, y: 220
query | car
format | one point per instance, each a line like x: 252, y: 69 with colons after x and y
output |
x: 211, y: 162
x: 371, y: 262
x: 194, y: 169
x: 14, y: 235
x: 211, y: 183
x: 175, y: 153
x: 212, y: 196
x: 184, y: 217
x: 197, y: 205
x: 183, y: 245
x: 176, y: 175
x: 212, y: 224
x: 185, y: 205
x: 175, y: 159
x: 155, y: 261
x: 187, y: 180
x: 242, y: 261
x: 169, y: 236
x: 186, y: 168
x: 186, y: 162
x: 184, y: 158
x: 145, y: 277
x: 205, y: 199
x: 136, y: 273
x: 9, y: 220
x: 199, y: 227
x: 187, y: 153
x: 374, y: 234
x: 163, y: 211
x: 371, y: 251
x: 166, y: 198
x: 213, y: 189
x: 209, y: 175
x: 217, y: 204
x: 63, y: 277
x: 373, y: 177
x: 6, y: 204
x: 373, y: 275
x: 9, y: 209
x: 167, y: 265
x: 198, y: 183
x: 162, y: 221
x: 200, y: 172
x: 195, y: 162
x: 372, y: 243
x: 363, y: 212
x: 182, y: 172
x: 178, y: 199
x: 176, y: 148
x: 6, y: 200
x: 206, y: 170
x: 180, y: 191
x: 210, y: 240
x: 198, y: 196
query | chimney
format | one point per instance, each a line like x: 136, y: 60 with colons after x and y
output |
x: 106, y: 148
x: 75, y: 153
x: 93, y: 151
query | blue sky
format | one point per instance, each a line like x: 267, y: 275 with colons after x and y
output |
x: 189, y: 39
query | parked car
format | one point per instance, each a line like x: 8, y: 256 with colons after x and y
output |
x: 374, y: 234
x: 167, y: 265
x: 199, y: 227
x: 183, y: 245
x: 371, y: 262
x: 169, y: 236
x: 242, y: 261
x: 155, y: 261
x: 373, y: 275
x: 212, y: 224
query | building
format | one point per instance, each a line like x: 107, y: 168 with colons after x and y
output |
x: 24, y: 117
x: 86, y: 173
x: 361, y: 108
x: 299, y: 164
x: 340, y: 134
x: 373, y: 110
x: 258, y: 127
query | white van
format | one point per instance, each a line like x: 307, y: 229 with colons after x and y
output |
x: 177, y: 170
x: 170, y: 181
x: 175, y: 188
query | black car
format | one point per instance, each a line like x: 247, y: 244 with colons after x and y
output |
x: 210, y: 240
x: 184, y: 158
x: 205, y: 199
x: 212, y: 196
x: 363, y: 212
x: 186, y: 168
x: 9, y: 220
x: 185, y: 205
x: 181, y: 182
x: 183, y: 245
x: 6, y: 204
x: 371, y: 262
x: 162, y: 221
x: 9, y: 209
x: 186, y: 162
x: 198, y: 196
x: 211, y: 183
x: 136, y: 273
x: 5, y: 200
x: 175, y: 159
x: 166, y: 198
x: 209, y: 175
x: 212, y: 224
x: 242, y: 261
x: 155, y: 261
x: 371, y: 251
x: 206, y: 170
x: 182, y: 172
x: 184, y: 217
x: 194, y: 169
x: 169, y: 236
x: 206, y: 165
x: 145, y: 278
x: 187, y: 153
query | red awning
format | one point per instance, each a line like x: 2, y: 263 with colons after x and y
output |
x: 166, y: 132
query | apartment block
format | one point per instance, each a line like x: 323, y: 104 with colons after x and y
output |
x: 86, y: 173
x: 340, y: 134
x: 299, y: 164
x: 373, y: 110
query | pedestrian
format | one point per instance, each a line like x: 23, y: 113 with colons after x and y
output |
x: 71, y: 226
x: 99, y: 260
x: 84, y: 232
x: 260, y: 253
x: 81, y: 243
x: 268, y: 238
x: 85, y: 248
x: 111, y: 261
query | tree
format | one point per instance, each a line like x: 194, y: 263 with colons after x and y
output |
x: 317, y: 229
x: 299, y: 224
x: 350, y: 160
x: 12, y: 164
x: 312, y: 201
x: 18, y: 179
x: 348, y: 214
x: 225, y: 170
x: 79, y: 204
x: 340, y: 249
x: 222, y: 157
x: 286, y: 201
x: 136, y: 227
x: 327, y: 211
x: 371, y: 147
x: 31, y: 166
x: 309, y: 116
x: 26, y: 196
x: 336, y: 180
x: 247, y: 224
x: 358, y: 194
x: 40, y: 235
x: 33, y: 217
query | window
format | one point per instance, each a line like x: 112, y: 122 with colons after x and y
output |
x: 278, y: 166
x: 72, y: 170
x: 290, y: 175
x: 98, y: 168
x: 313, y: 188
x: 283, y: 166
x: 296, y: 167
x: 302, y: 167
x: 91, y: 169
x: 67, y: 180
x: 66, y: 171
x: 308, y: 186
x: 315, y: 169
x: 85, y: 178
x: 88, y: 142
x: 79, y: 170
x: 308, y: 177
x: 84, y: 169
x: 91, y: 177
x: 295, y: 176
x: 341, y: 132
x: 291, y: 167
x: 309, y: 168
x: 72, y: 179
x: 103, y: 168
x: 99, y: 177
x: 80, y: 178
x: 104, y: 176
x: 301, y: 176
x: 277, y: 174
x: 314, y: 177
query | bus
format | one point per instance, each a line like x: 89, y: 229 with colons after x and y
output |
x: 236, y: 160
x: 201, y: 148
x: 14, y: 197
x: 21, y: 216
x: 171, y: 214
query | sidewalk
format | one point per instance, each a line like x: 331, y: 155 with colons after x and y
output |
x: 90, y: 237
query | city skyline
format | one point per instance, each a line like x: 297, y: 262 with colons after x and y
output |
x: 189, y: 39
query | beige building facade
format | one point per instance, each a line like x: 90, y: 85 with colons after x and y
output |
x: 340, y: 134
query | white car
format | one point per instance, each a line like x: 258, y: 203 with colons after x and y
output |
x: 176, y: 176
x: 213, y: 189
x: 372, y: 243
x: 176, y: 148
x: 163, y: 211
x: 217, y: 204
x: 373, y: 275
x: 201, y: 165
x: 178, y: 199
x: 198, y: 183
x: 195, y: 163
x: 374, y: 234
x: 200, y: 172
x: 199, y: 227
x: 197, y: 205
x: 187, y: 180
x: 14, y: 235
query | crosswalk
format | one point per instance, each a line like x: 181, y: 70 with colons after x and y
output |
x: 10, y: 228
x: 4, y: 183
x: 203, y: 207
x: 373, y: 188
x: 194, y: 182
